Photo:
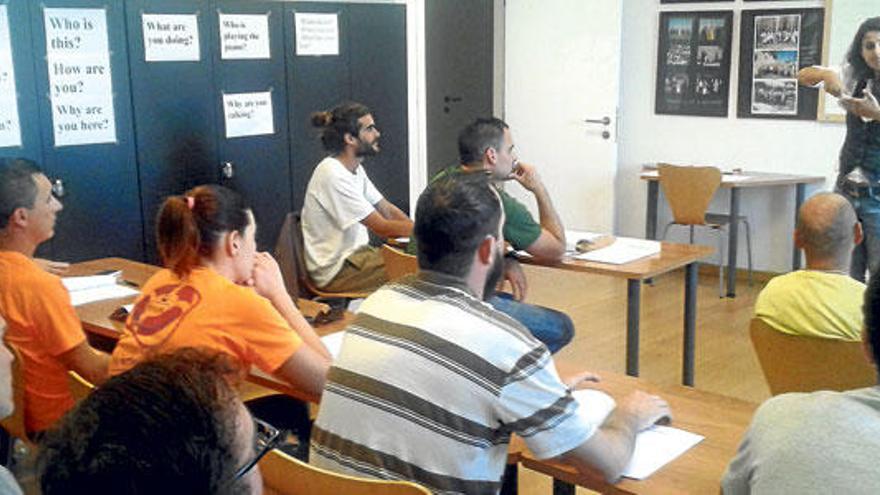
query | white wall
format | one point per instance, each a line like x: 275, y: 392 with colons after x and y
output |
x: 752, y: 144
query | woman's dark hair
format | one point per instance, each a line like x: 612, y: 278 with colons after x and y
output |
x: 167, y: 426
x: 191, y: 225
x: 338, y: 122
x: 861, y: 71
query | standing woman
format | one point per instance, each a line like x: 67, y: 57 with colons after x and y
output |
x: 858, y: 90
x: 217, y: 292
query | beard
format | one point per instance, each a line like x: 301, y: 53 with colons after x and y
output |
x: 367, y: 149
x: 494, y: 275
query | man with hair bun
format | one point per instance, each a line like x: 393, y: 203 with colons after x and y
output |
x: 341, y: 203
x: 42, y: 323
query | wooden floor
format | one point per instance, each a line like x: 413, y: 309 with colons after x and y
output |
x: 725, y: 361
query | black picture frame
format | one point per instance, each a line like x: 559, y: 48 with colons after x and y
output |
x: 693, y: 63
x: 786, y: 41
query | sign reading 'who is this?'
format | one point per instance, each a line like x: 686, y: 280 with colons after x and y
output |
x: 80, y: 83
x: 10, y: 132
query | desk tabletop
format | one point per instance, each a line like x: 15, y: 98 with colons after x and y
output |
x: 671, y: 256
x: 722, y: 420
x: 749, y: 178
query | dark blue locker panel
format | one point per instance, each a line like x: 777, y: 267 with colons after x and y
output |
x: 102, y: 215
x: 260, y: 164
x: 175, y: 112
x: 314, y: 83
x: 23, y: 60
x: 377, y: 42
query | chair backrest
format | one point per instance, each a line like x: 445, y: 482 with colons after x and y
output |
x: 290, y: 257
x: 14, y: 423
x: 285, y: 475
x: 804, y: 364
x: 79, y: 387
x: 397, y: 263
x: 290, y: 254
x: 689, y: 191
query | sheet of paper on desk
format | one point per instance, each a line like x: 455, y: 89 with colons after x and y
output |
x: 656, y: 447
x: 115, y: 291
x: 333, y: 343
x: 573, y: 236
x: 624, y: 250
x: 735, y: 178
x: 82, y: 283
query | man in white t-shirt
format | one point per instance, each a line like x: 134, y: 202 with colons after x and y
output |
x: 341, y: 203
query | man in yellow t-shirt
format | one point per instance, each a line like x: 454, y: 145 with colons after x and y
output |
x: 821, y: 300
x: 42, y: 324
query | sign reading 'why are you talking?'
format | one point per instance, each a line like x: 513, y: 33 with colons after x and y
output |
x: 80, y: 85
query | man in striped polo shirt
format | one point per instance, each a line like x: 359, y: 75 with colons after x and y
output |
x: 431, y: 381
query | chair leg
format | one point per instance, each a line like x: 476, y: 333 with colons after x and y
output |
x: 749, y: 247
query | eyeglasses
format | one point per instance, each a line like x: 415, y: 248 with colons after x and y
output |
x: 266, y: 438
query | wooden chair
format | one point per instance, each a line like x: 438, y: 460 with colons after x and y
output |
x: 13, y: 425
x: 804, y: 364
x: 398, y: 263
x: 80, y: 388
x: 285, y: 475
x: 689, y: 191
x: 290, y: 254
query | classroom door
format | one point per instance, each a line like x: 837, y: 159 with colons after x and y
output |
x: 561, y: 99
x: 251, y: 100
x: 81, y: 61
x: 459, y: 62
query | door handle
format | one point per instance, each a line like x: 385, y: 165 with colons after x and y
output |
x: 227, y: 170
x: 604, y: 121
x: 58, y: 188
x: 451, y: 99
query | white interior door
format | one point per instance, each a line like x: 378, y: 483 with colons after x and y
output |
x: 562, y: 66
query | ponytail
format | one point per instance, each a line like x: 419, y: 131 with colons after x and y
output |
x: 191, y: 226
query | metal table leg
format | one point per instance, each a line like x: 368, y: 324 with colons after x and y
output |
x: 651, y: 206
x: 799, y: 192
x: 633, y: 301
x: 510, y: 482
x: 733, y: 242
x: 690, y: 323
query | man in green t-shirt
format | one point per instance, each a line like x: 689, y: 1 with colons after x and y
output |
x: 487, y: 145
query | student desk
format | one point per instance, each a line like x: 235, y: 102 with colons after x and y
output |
x: 732, y: 182
x: 104, y: 332
x: 671, y: 257
x: 721, y: 420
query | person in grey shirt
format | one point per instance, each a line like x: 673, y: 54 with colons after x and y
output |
x: 820, y: 442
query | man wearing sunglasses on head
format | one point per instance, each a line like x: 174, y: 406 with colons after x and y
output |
x: 170, y: 425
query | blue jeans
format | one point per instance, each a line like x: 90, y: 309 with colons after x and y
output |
x: 866, y: 256
x: 554, y: 328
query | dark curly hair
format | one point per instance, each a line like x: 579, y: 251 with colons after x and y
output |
x: 167, y: 426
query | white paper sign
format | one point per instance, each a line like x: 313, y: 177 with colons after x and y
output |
x: 80, y: 84
x: 248, y: 114
x: 316, y: 34
x: 244, y: 37
x: 171, y: 37
x: 10, y: 133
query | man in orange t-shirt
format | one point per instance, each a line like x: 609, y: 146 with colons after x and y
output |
x: 42, y: 324
x: 206, y: 310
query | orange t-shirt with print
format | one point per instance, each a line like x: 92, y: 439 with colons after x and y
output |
x: 207, y: 310
x: 42, y: 325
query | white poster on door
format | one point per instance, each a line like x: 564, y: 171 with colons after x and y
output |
x: 316, y: 34
x: 244, y: 37
x: 248, y: 114
x: 80, y: 85
x: 171, y: 37
x: 10, y: 133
